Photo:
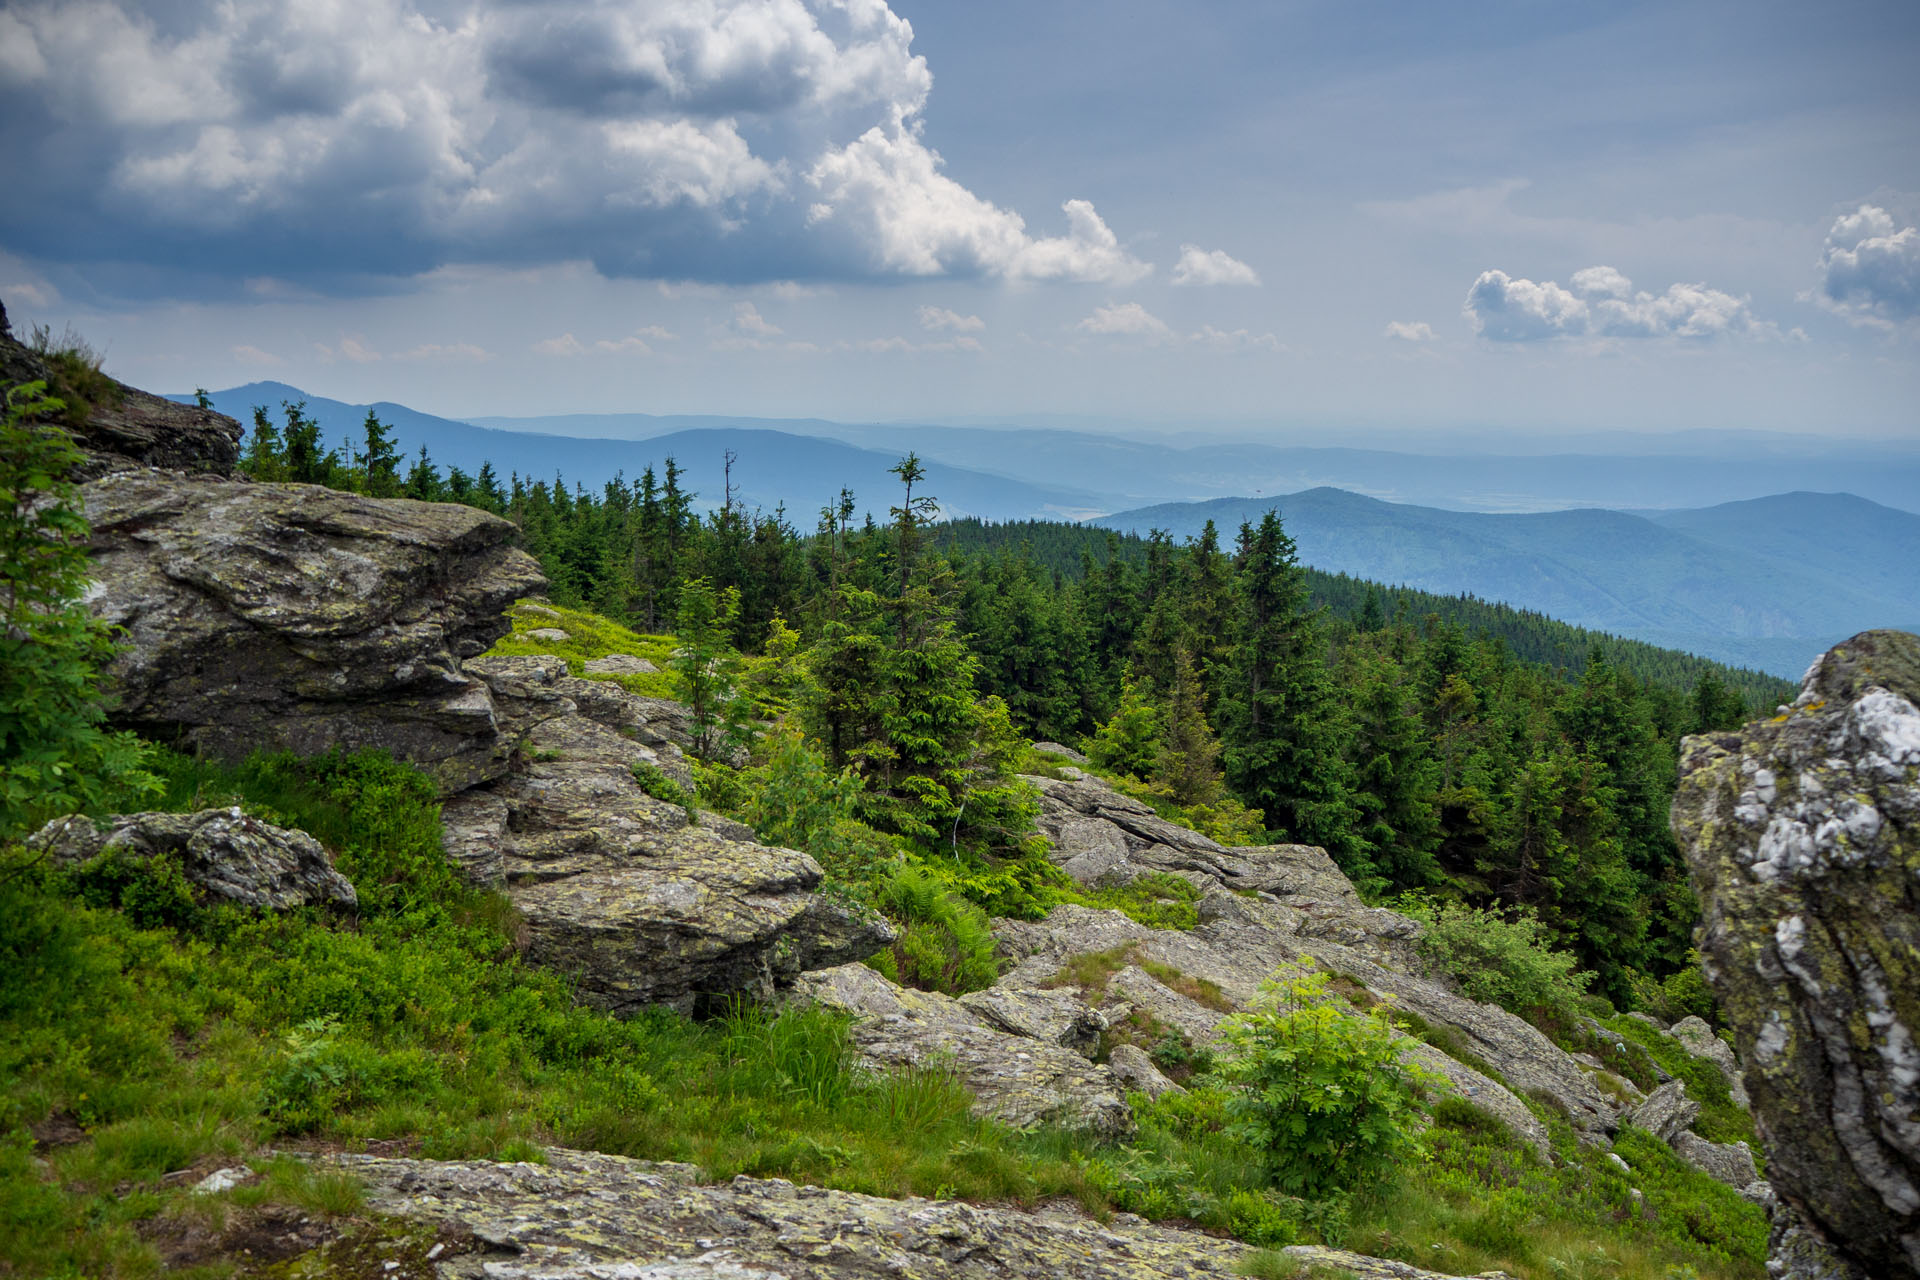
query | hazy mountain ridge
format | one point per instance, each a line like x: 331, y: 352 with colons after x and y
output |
x: 1767, y: 583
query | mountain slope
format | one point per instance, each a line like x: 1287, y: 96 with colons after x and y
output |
x: 1608, y: 570
x: 772, y: 467
x: 1868, y: 546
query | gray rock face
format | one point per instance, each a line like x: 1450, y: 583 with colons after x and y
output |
x: 1020, y: 1079
x: 1802, y: 834
x: 1699, y: 1040
x: 621, y: 664
x: 619, y: 889
x: 232, y: 857
x: 291, y: 617
x: 1666, y: 1111
x: 1728, y: 1162
x: 1134, y: 1069
x: 581, y: 1216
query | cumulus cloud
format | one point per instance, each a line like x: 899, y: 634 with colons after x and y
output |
x: 1126, y: 319
x: 1202, y: 266
x: 1602, y: 303
x: 1869, y: 270
x: 564, y: 345
x: 333, y: 144
x: 1416, y: 331
x: 939, y: 318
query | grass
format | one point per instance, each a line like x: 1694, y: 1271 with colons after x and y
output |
x: 146, y: 1039
x: 589, y: 636
x: 1635, y: 1049
x: 76, y: 375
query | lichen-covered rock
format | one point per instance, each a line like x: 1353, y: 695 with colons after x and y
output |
x: 1666, y: 1111
x: 1802, y: 834
x: 1697, y: 1038
x: 620, y: 664
x: 638, y: 901
x: 292, y: 617
x: 1052, y: 1014
x: 1132, y: 1066
x: 1018, y: 1079
x: 232, y: 857
x: 581, y: 1216
x: 1728, y: 1162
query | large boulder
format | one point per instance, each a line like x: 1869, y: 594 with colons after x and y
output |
x: 292, y: 617
x: 1802, y: 834
x: 232, y: 857
x: 640, y: 901
x: 584, y: 1215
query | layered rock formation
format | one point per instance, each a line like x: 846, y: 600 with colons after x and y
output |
x: 1803, y: 837
x: 585, y: 1215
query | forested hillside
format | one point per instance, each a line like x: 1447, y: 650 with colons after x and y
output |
x: 1417, y: 740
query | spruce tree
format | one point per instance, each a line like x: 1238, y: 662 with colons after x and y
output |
x: 1188, y: 767
x: 1282, y: 726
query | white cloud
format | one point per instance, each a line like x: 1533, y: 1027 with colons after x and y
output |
x: 882, y: 346
x: 1603, y: 303
x: 564, y: 345
x: 1126, y: 319
x: 1869, y: 270
x: 748, y: 322
x: 352, y: 347
x: 1416, y: 331
x: 886, y: 188
x: 716, y: 140
x: 246, y: 353
x: 1199, y: 266
x: 939, y: 318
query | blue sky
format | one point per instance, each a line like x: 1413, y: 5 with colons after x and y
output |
x: 1305, y: 220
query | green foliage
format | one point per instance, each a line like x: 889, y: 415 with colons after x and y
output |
x: 706, y: 668
x: 655, y: 782
x: 1324, y: 1096
x: 1129, y: 742
x: 1159, y: 901
x: 1501, y: 957
x: 1634, y: 1049
x: 1682, y: 993
x: 945, y: 942
x: 588, y: 636
x: 796, y: 799
x: 55, y: 756
x: 154, y: 892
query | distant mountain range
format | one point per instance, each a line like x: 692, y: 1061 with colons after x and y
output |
x: 804, y: 472
x: 1766, y: 583
x: 1762, y: 581
x: 1690, y: 469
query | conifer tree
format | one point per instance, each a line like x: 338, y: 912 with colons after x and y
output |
x: 1283, y: 728
x: 379, y: 462
x: 1188, y: 767
x: 1129, y: 742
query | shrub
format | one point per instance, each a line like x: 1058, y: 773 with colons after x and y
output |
x: 77, y: 381
x: 54, y: 755
x: 1502, y: 959
x: 1325, y: 1098
x: 945, y: 943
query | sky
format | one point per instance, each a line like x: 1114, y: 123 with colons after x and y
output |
x: 1320, y: 221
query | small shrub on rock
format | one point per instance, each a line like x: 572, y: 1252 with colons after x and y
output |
x: 1500, y: 958
x: 1324, y: 1096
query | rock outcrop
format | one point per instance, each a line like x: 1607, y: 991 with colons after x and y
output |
x: 1802, y: 834
x: 584, y: 1215
x: 228, y: 855
x: 292, y: 617
x: 1264, y: 907
x: 127, y: 426
x: 1021, y: 1078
